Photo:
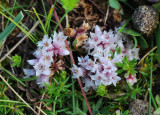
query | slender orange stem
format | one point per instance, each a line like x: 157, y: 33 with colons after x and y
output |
x: 72, y: 59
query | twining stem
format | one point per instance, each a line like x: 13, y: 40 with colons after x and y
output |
x: 72, y: 59
x: 60, y: 21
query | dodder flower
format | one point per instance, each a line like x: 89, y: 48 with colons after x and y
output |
x: 45, y: 53
x: 105, y: 48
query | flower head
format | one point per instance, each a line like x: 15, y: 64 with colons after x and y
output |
x: 131, y: 79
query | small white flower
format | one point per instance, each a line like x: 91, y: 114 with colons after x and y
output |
x: 32, y: 62
x: 42, y: 68
x: 117, y: 58
x: 45, y: 43
x: 42, y: 79
x: 82, y: 61
x: 77, y: 71
x: 131, y: 79
x: 109, y: 66
x: 112, y: 78
x: 59, y: 46
x: 47, y: 57
x: 89, y: 84
x: 38, y: 53
x: 132, y: 54
x: 98, y: 31
x: 97, y: 78
x: 29, y: 72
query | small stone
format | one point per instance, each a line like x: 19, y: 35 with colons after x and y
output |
x: 139, y: 107
x: 145, y: 19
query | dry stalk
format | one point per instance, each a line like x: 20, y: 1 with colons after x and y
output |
x: 18, y: 94
x: 39, y: 108
x: 35, y: 25
x: 147, y: 54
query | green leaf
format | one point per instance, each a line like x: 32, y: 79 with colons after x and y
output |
x: 125, y: 24
x: 157, y: 111
x: 68, y: 5
x: 119, y: 64
x: 142, y: 42
x: 119, y: 71
x: 28, y: 79
x: 114, y: 4
x: 158, y: 41
x: 75, y: 43
x: 10, y: 28
x: 135, y: 41
x: 144, y: 74
x: 131, y: 32
x: 132, y: 62
x: 157, y: 98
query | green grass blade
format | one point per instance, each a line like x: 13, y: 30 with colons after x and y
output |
x: 44, y: 8
x: 17, y: 7
x: 28, y: 79
x: 142, y: 42
x: 26, y: 32
x: 40, y: 15
x: 12, y: 76
x: 10, y: 27
x: 40, y: 21
x: 47, y: 24
x: 158, y: 41
x: 150, y: 88
x: 10, y: 14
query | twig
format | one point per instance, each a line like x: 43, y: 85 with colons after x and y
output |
x: 67, y: 21
x: 147, y: 54
x: 94, y: 4
x: 72, y: 59
x: 36, y: 24
x: 106, y: 17
x: 39, y: 108
x: 18, y: 94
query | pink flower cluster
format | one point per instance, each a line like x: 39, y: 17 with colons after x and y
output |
x: 47, y: 49
x: 104, y: 49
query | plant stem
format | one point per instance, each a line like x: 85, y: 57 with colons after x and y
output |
x: 73, y: 98
x: 54, y: 106
x: 72, y: 59
x: 153, y: 100
x: 60, y: 21
x: 149, y: 111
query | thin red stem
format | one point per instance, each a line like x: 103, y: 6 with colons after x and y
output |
x: 72, y: 59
